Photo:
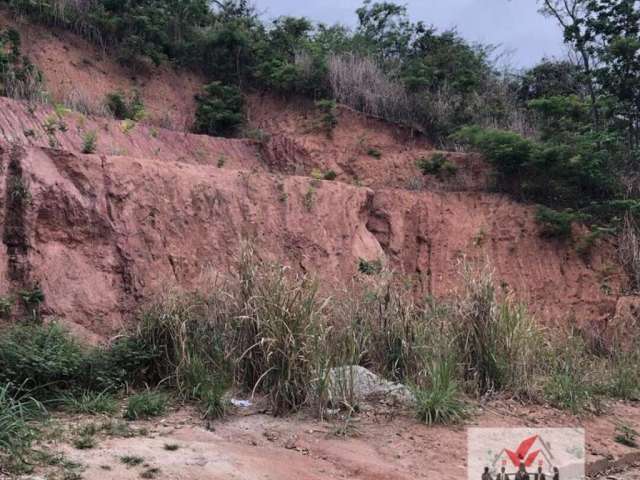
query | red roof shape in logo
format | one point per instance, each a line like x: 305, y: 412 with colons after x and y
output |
x: 530, y: 449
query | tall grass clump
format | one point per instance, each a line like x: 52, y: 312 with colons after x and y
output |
x: 571, y: 383
x: 388, y: 330
x: 18, y: 411
x: 145, y: 405
x: 440, y: 402
x: 276, y: 332
x: 499, y: 343
x: 185, y: 332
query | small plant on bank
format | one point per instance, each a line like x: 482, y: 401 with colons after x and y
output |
x: 309, y: 198
x: 6, y: 305
x: 437, y: 165
x: 328, y: 119
x: 374, y: 152
x: 131, y: 460
x: 369, y: 267
x: 150, y: 473
x: 171, y: 447
x: 555, y: 224
x: 626, y: 435
x: 84, y: 442
x: 124, y: 107
x: 32, y: 299
x: 89, y: 142
x: 88, y: 402
x: 330, y: 175
x: 146, y: 405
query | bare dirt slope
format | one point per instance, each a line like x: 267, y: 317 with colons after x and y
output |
x: 100, y: 233
x: 79, y: 72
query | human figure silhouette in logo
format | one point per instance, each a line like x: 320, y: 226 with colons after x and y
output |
x: 540, y: 475
x: 486, y: 475
x: 556, y: 473
x: 522, y: 474
x: 503, y: 475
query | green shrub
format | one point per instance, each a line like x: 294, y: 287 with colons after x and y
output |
x: 440, y: 403
x: 507, y: 151
x: 47, y: 361
x: 555, y: 224
x: 328, y: 118
x: 624, y: 379
x: 150, y: 472
x: 374, y: 152
x: 437, y: 165
x: 369, y: 267
x: 124, y: 107
x: 190, y: 350
x: 219, y: 110
x: 145, y: 405
x: 89, y: 142
x: 330, y: 175
x: 43, y: 359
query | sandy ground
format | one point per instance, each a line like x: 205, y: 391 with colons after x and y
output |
x: 249, y: 445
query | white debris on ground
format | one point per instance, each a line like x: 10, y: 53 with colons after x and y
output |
x: 356, y: 383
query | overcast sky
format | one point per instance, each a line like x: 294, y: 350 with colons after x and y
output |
x: 516, y: 24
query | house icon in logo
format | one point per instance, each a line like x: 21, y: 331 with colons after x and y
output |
x: 532, y: 450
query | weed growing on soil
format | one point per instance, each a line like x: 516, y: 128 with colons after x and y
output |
x: 626, y: 435
x: 131, y: 460
x: 89, y: 142
x: 369, y: 267
x: 84, y: 442
x: 150, y: 473
x: 374, y: 152
x: 437, y: 165
x: 171, y: 447
x: 6, y: 305
x: 328, y: 118
x: 125, y: 107
x: 440, y: 403
x: 88, y: 402
x: 17, y: 409
x: 146, y: 405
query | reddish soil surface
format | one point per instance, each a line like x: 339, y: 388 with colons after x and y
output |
x: 380, y: 445
x: 103, y: 232
x: 78, y: 71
